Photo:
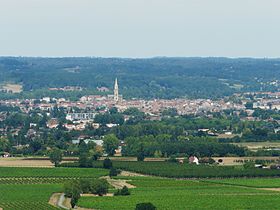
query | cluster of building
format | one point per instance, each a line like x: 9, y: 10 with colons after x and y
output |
x: 90, y: 105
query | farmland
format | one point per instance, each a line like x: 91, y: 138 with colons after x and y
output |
x: 170, y: 194
x: 175, y: 170
x: 31, y: 188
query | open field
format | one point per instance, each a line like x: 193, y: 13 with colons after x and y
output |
x: 255, y: 182
x: 170, y: 194
x: 176, y: 170
x: 31, y: 188
x: 259, y: 145
x: 28, y: 162
x: 231, y: 161
x: 6, y: 172
x: 27, y: 196
x: 13, y: 88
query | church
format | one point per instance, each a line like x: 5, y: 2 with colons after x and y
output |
x: 116, y: 97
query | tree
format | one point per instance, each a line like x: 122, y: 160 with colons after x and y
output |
x: 99, y: 187
x: 72, y: 189
x: 107, y: 163
x: 56, y: 157
x: 110, y: 143
x: 4, y: 144
x: 124, y: 191
x: 114, y: 172
x: 145, y: 206
x: 84, y: 160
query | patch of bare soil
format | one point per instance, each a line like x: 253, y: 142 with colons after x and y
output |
x: 271, y: 189
x: 127, y: 173
x: 16, y: 162
x: 118, y: 183
x: 54, y: 199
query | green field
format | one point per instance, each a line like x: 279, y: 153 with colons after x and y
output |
x: 31, y: 188
x: 51, y: 172
x: 27, y: 196
x: 256, y: 182
x: 176, y: 170
x: 170, y: 194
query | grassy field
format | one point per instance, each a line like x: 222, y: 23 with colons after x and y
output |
x: 170, y: 194
x: 31, y: 188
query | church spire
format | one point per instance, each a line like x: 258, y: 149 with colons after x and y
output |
x: 116, y: 91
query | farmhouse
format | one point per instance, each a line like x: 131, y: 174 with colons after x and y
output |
x: 193, y: 160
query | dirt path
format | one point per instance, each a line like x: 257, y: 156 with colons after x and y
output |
x: 271, y: 189
x: 60, y: 201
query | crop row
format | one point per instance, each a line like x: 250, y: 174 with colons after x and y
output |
x: 26, y: 205
x: 175, y: 170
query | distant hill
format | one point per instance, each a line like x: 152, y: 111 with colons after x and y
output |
x: 146, y: 78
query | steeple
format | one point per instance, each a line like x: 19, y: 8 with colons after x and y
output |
x: 116, y: 91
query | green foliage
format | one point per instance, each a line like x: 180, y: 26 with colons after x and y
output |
x: 4, y: 144
x: 249, y: 165
x: 122, y: 192
x: 107, y: 163
x: 114, y: 172
x: 56, y: 157
x: 145, y: 206
x: 110, y: 143
x: 99, y: 187
x: 72, y: 189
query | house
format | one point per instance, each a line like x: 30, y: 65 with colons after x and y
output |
x: 193, y: 160
x: 52, y: 123
x: 5, y: 154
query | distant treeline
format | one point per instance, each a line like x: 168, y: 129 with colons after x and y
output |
x: 145, y: 78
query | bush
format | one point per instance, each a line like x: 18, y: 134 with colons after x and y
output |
x: 56, y: 157
x: 99, y: 187
x: 72, y: 189
x: 107, y: 163
x: 207, y: 161
x: 114, y: 172
x: 85, y: 185
x: 124, y: 192
x: 140, y: 156
x: 145, y: 206
x: 173, y: 159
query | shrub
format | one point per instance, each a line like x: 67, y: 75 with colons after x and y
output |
x: 85, y: 185
x: 207, y: 160
x: 56, y: 157
x: 124, y: 192
x: 99, y: 187
x: 107, y: 163
x: 72, y: 189
x: 145, y: 206
x: 114, y: 172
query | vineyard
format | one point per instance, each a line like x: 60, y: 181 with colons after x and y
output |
x: 31, y: 188
x: 175, y: 170
x: 170, y: 194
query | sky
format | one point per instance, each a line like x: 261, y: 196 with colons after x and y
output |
x: 140, y: 28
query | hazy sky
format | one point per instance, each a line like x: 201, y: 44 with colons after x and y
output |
x: 140, y: 28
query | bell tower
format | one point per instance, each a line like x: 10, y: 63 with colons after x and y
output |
x: 116, y: 91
